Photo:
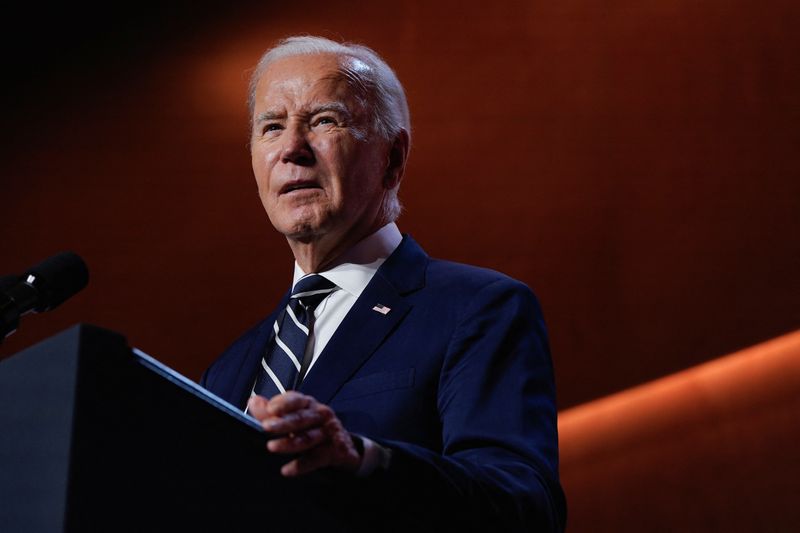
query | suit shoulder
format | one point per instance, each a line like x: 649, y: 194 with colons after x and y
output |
x: 449, y: 274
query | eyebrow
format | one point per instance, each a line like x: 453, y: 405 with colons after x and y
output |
x: 268, y: 115
x: 336, y: 107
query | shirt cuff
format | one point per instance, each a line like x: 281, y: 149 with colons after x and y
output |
x: 373, y: 457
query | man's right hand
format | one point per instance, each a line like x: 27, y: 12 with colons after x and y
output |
x: 304, y: 426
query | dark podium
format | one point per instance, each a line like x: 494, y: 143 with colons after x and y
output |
x: 95, y: 436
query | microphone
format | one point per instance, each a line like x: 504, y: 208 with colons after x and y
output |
x: 41, y: 288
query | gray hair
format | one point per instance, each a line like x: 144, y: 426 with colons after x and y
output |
x: 386, y: 97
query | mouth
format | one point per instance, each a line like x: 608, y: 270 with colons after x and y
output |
x: 299, y: 185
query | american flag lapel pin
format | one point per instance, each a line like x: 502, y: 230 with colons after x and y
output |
x: 382, y: 309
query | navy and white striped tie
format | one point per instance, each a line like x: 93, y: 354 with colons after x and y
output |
x: 281, y: 365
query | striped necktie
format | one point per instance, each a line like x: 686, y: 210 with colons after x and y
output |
x: 285, y: 358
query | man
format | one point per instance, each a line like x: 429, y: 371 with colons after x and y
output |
x: 409, y: 371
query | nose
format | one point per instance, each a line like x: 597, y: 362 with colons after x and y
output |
x: 296, y: 148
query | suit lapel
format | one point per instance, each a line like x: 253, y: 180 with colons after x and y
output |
x: 364, y: 328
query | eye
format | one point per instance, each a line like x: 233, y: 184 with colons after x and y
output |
x: 324, y: 121
x: 271, y: 126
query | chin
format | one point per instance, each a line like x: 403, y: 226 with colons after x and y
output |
x: 300, y: 224
x: 304, y: 230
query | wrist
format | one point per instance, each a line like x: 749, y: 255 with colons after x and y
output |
x: 373, y: 456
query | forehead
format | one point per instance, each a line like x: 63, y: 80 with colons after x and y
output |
x: 307, y: 78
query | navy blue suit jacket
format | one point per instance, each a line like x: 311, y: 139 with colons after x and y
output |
x: 456, y: 379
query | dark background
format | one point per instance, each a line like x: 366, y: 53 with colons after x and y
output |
x: 636, y: 165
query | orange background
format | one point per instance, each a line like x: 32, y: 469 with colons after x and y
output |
x: 636, y: 163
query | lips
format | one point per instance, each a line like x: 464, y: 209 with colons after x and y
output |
x: 297, y: 185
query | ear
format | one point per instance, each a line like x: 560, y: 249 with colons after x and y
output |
x: 396, y: 164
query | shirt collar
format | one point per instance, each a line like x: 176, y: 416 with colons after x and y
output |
x: 354, y: 268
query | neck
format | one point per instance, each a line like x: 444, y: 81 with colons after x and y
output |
x: 319, y: 253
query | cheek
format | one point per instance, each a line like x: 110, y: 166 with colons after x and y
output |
x: 263, y: 162
x: 328, y: 156
x: 341, y: 162
x: 366, y: 173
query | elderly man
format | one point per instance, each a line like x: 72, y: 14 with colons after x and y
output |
x: 429, y: 379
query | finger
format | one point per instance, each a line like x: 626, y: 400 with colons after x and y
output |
x: 335, y: 450
x: 258, y: 407
x: 297, y: 442
x: 298, y: 421
x: 327, y: 454
x: 288, y: 402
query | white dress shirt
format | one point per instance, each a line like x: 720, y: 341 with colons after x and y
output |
x: 352, y: 273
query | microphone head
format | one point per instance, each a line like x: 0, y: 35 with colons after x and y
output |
x: 57, y: 279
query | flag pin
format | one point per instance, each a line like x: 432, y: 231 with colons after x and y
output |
x: 382, y: 309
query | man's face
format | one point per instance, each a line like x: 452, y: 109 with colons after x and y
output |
x: 318, y: 165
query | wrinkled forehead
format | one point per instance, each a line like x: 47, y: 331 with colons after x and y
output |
x: 339, y: 77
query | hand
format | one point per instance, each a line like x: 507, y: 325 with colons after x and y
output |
x: 306, y: 427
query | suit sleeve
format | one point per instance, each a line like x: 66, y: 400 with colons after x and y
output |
x: 498, y: 470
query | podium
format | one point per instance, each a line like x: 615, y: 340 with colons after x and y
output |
x: 96, y: 436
